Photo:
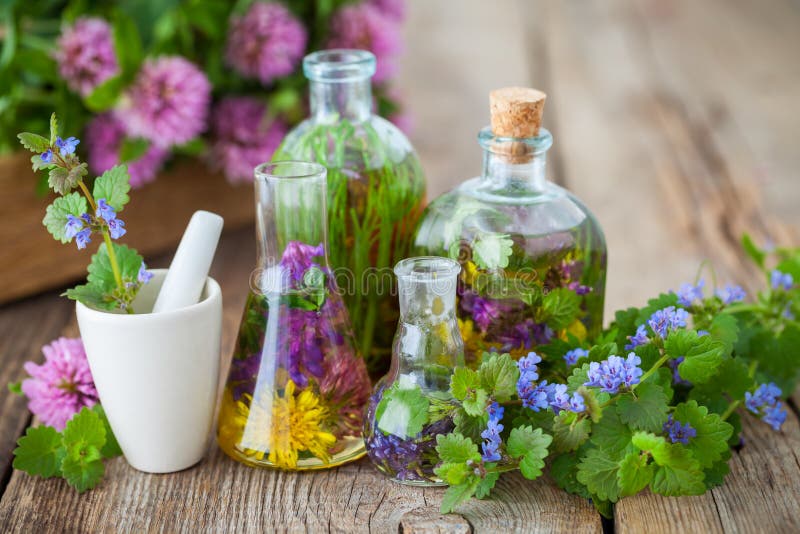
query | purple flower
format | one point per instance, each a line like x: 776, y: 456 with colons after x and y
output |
x: 781, y: 280
x: 394, y: 9
x: 104, y: 211
x: 62, y: 385
x: 677, y: 379
x: 243, y: 137
x: 491, y: 434
x: 305, y: 355
x: 485, y: 312
x: 144, y: 276
x: 73, y: 226
x: 572, y: 356
x: 366, y: 27
x: 67, y: 146
x: 527, y: 367
x: 639, y: 338
x: 47, y: 156
x: 85, y: 55
x: 765, y: 403
x: 774, y: 416
x: 731, y: 293
x: 298, y: 257
x: 265, y: 43
x: 688, y: 293
x: 611, y: 374
x: 116, y: 228
x: 577, y: 403
x: 662, y: 321
x: 678, y: 432
x: 83, y: 238
x: 104, y: 137
x: 167, y: 103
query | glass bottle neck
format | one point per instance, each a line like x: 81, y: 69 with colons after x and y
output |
x: 340, y: 100
x: 514, y: 173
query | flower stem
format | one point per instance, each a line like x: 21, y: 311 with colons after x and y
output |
x: 652, y: 370
x: 727, y: 413
x: 112, y: 257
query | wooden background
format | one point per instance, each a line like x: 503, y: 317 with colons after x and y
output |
x: 675, y: 121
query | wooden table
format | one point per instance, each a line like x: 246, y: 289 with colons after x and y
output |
x: 675, y: 121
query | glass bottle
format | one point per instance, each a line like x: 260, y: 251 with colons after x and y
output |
x: 297, y: 386
x: 527, y: 246
x: 376, y: 191
x: 402, y: 419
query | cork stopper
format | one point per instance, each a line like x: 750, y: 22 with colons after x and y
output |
x: 516, y: 111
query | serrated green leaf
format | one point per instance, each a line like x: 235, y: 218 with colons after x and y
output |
x: 101, y: 275
x: 468, y: 425
x: 476, y: 401
x: 569, y: 433
x: 611, y: 434
x: 634, y: 474
x: 111, y: 447
x: 90, y: 295
x: 33, y: 142
x: 777, y: 356
x: 601, y: 352
x: 715, y: 475
x: 458, y: 494
x: 55, y: 218
x: 678, y: 473
x: 491, y: 251
x: 62, y: 181
x: 53, y: 129
x: 85, y: 429
x: 498, y: 376
x: 713, y: 433
x: 532, y: 446
x: 647, y: 410
x: 105, y: 95
x: 83, y: 474
x: 113, y: 186
x: 560, y: 308
x: 725, y: 328
x: 702, y: 361
x: 38, y: 164
x: 455, y: 448
x: 598, y: 472
x: 39, y: 452
x: 402, y: 412
x: 84, y: 438
x: 453, y: 473
x: 485, y: 486
x: 731, y: 382
x: 564, y: 471
x: 463, y: 382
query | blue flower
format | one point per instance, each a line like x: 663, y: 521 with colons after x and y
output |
x: 688, y: 293
x: 67, y: 146
x: 47, y: 156
x: 775, y: 416
x: 83, y: 238
x: 577, y: 403
x: 572, y: 356
x: 104, y: 211
x: 677, y: 379
x: 559, y: 399
x: 611, y: 374
x: 533, y: 396
x: 678, y: 432
x: 781, y: 280
x: 491, y: 435
x: 639, y: 338
x: 669, y: 318
x: 731, y: 293
x: 72, y: 227
x: 116, y: 227
x: 765, y: 403
x: 527, y: 367
x: 144, y: 275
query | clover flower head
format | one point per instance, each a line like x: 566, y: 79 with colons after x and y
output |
x: 85, y: 54
x: 678, y: 432
x: 366, y: 27
x: 669, y: 318
x: 781, y: 280
x: 639, y: 338
x: 615, y: 372
x: 572, y: 356
x: 731, y: 293
x: 688, y: 293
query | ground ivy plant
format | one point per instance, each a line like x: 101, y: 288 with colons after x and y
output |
x: 83, y: 210
x: 654, y: 402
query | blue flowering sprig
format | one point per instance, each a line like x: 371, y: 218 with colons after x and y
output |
x: 116, y: 272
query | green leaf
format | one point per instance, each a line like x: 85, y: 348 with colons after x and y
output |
x: 653, y: 305
x: 15, y: 388
x: 532, y: 446
x: 611, y: 434
x: 702, y: 354
x: 90, y: 295
x: 105, y: 95
x: 53, y: 129
x: 458, y: 494
x: 715, y: 475
x: 38, y: 164
x: 33, y: 142
x: 499, y: 375
x: 463, y: 382
x: 132, y: 149
x: 560, y: 308
x: 127, y: 45
x: 81, y: 473
x: 485, y: 486
x: 713, y: 433
x: 491, y: 251
x: 569, y: 433
x: 113, y: 186
x: 55, y: 218
x: 402, y: 412
x: 101, y: 275
x: 725, y: 329
x: 39, y: 452
x: 777, y: 356
x: 646, y: 411
x: 475, y: 403
x: 468, y: 425
x: 598, y: 472
x: 453, y: 473
x: 678, y: 473
x: 634, y: 474
x: 84, y: 438
x: 564, y: 471
x: 455, y: 448
x: 756, y: 254
x: 83, y: 430
x: 111, y: 447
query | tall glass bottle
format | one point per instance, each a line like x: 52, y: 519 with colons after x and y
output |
x: 376, y: 191
x: 297, y: 386
x: 409, y: 406
x: 531, y: 253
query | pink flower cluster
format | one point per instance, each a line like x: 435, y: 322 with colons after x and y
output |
x: 62, y: 385
x: 85, y: 55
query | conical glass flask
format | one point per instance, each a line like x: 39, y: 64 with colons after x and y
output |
x: 409, y: 406
x: 376, y: 191
x: 297, y: 386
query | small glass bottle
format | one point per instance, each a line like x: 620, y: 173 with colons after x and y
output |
x: 376, y: 191
x: 297, y: 386
x: 527, y: 246
x: 407, y: 409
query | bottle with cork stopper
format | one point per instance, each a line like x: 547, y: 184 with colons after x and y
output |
x: 533, y: 256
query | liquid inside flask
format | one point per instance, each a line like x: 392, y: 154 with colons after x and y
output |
x: 297, y: 386
x: 376, y: 191
x: 408, y: 408
x: 531, y: 253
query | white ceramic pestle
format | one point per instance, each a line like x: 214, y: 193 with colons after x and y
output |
x: 189, y: 269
